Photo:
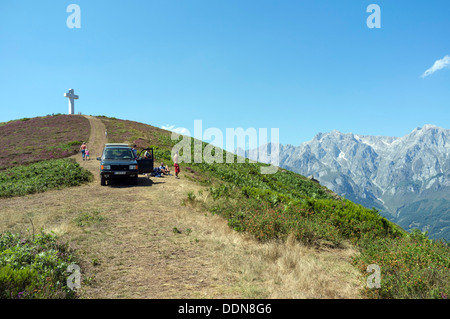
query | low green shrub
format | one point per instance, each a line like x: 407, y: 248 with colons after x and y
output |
x: 34, y: 267
x: 412, y: 267
x: 88, y: 218
x: 17, y: 283
x: 42, y: 176
x: 266, y: 222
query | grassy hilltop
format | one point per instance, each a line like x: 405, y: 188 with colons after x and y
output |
x: 277, y: 207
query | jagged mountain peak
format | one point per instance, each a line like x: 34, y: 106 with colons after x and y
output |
x: 428, y: 127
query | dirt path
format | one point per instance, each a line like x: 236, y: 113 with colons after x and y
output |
x: 137, y: 254
x: 97, y: 137
x: 147, y: 244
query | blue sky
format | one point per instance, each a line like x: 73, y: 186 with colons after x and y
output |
x: 301, y: 66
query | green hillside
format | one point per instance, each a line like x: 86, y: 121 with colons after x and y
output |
x: 275, y: 206
x: 428, y: 215
x: 34, y: 160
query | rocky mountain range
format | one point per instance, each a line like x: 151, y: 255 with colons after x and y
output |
x: 406, y: 178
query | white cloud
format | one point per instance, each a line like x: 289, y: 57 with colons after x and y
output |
x: 168, y: 127
x: 178, y: 130
x: 438, y: 65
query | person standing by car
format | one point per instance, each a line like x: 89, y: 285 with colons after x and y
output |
x: 83, y: 150
x: 134, y: 151
x: 175, y: 164
x: 147, y: 155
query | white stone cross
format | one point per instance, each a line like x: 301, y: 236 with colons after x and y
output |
x: 71, y: 97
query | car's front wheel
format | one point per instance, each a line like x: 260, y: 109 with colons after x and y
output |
x: 102, y: 181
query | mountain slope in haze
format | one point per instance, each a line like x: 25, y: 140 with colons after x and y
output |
x: 407, y: 178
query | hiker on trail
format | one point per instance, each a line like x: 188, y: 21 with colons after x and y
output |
x: 83, y: 150
x: 86, y: 153
x: 175, y: 164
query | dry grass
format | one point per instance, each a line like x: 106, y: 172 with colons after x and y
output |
x: 277, y: 269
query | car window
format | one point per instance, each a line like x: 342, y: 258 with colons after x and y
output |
x: 118, y: 153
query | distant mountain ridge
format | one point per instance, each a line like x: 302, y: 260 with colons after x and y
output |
x: 407, y: 178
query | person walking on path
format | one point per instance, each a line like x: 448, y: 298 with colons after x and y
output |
x: 175, y: 164
x: 83, y: 150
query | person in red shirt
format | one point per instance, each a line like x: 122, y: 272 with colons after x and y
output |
x: 175, y: 164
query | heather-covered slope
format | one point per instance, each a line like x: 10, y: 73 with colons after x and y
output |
x: 31, y: 140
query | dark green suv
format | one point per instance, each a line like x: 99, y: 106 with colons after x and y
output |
x: 118, y: 162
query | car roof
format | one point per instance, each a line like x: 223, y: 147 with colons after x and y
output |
x: 116, y: 145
